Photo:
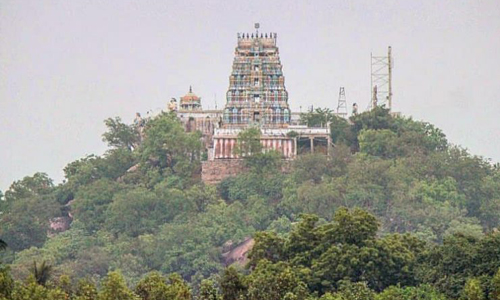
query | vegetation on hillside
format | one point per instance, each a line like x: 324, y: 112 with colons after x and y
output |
x: 396, y: 212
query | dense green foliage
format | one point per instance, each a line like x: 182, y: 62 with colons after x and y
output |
x: 395, y: 212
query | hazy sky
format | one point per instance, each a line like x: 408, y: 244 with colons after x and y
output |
x: 65, y: 66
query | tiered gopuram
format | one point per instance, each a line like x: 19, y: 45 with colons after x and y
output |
x: 256, y: 97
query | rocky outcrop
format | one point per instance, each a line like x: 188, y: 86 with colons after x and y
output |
x: 59, y: 224
x: 237, y: 253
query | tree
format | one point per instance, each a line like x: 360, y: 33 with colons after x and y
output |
x: 425, y: 136
x: 202, y: 196
x: 26, y: 221
x: 178, y: 289
x: 351, y: 291
x: 375, y: 119
x: 85, y: 290
x: 208, y: 291
x: 355, y: 227
x: 42, y: 273
x: 490, y: 204
x: 112, y: 165
x: 422, y: 292
x: 93, y: 261
x: 152, y: 287
x: 495, y: 286
x: 156, y: 287
x: 268, y: 246
x: 302, y: 239
x: 320, y: 117
x: 449, y: 266
x: 380, y: 142
x: 488, y: 255
x: 321, y: 199
x: 264, y: 163
x: 167, y: 149
x: 340, y: 131
x: 120, y: 135
x: 248, y: 143
x: 37, y: 185
x: 28, y: 207
x: 473, y: 290
x: 313, y: 167
x: 84, y: 171
x: 113, y: 287
x: 345, y: 249
x: 136, y: 212
x: 33, y: 291
x: 274, y: 281
x: 232, y: 285
x: 64, y: 285
x: 177, y: 202
x: 6, y: 283
x: 92, y: 202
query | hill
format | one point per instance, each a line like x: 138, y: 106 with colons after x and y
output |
x: 142, y: 207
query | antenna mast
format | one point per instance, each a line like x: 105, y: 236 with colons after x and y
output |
x: 381, y: 80
x: 342, y: 104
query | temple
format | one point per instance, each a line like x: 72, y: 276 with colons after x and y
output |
x: 256, y: 97
x: 257, y: 93
x: 190, y: 101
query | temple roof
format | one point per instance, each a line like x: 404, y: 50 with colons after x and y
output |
x: 190, y: 97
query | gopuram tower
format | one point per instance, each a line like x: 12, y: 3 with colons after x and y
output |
x: 257, y: 98
x: 257, y: 93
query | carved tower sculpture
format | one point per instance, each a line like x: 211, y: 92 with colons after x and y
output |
x: 256, y: 94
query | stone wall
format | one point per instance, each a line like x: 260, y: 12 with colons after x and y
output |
x: 214, y: 171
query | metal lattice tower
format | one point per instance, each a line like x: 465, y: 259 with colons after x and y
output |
x: 342, y: 104
x: 381, y: 80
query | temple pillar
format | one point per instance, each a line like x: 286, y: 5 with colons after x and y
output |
x: 223, y: 148
x: 294, y: 147
x: 226, y: 148
x: 216, y: 142
x: 219, y: 145
x: 232, y: 148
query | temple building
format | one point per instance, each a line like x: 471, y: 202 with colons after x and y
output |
x: 257, y: 93
x: 256, y: 97
x: 190, y: 101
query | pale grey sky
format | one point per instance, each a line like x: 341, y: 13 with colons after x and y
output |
x: 65, y: 66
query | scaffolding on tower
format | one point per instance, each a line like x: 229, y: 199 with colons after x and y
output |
x: 381, y: 80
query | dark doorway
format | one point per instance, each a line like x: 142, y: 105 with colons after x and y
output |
x: 256, y: 117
